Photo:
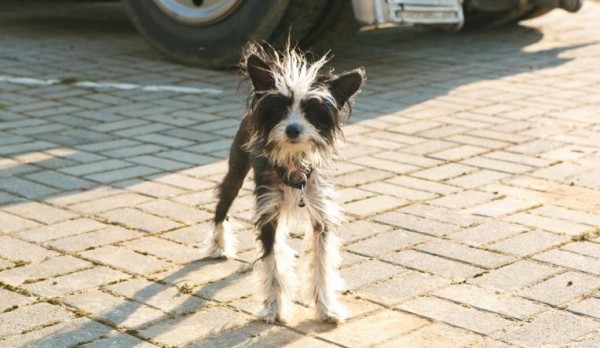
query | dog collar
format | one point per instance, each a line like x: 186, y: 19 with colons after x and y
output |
x: 293, y: 183
x: 300, y: 185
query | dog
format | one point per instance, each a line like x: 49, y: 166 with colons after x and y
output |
x: 288, y: 136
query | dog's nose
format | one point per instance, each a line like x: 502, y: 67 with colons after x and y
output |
x: 293, y: 130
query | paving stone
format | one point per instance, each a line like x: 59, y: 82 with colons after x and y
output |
x: 463, y: 199
x: 451, y: 216
x: 122, y: 174
x: 200, y: 325
x: 443, y: 172
x: 514, y: 276
x: 59, y: 180
x: 175, y: 211
x: 416, y: 224
x: 402, y: 287
x: 260, y: 335
x: 433, y: 264
x: 423, y: 185
x: 471, y: 319
x: 9, y: 300
x: 40, y: 271
x: 185, y: 182
x: 491, y: 301
x: 163, y: 297
x: 564, y: 326
x: 387, y: 242
x: 12, y: 223
x: 487, y: 232
x: 36, y: 315
x: 589, y: 306
x: 25, y: 188
x: 95, y: 167
x: 436, y: 335
x: 126, y: 259
x: 368, y: 272
x: 61, y: 229
x: 571, y: 260
x: 584, y: 248
x: 165, y: 249
x: 136, y: 219
x: 115, y: 310
x: 458, y: 153
x: 403, y: 193
x: 360, y: 229
x: 110, y: 203
x: 90, y: 240
x: 362, y: 177
x: 549, y: 224
x: 477, y: 179
x: 503, y: 206
x: 153, y: 189
x: 120, y: 340
x: 201, y: 272
x: 581, y: 217
x: 528, y: 243
x: 388, y: 324
x: 75, y: 281
x: 66, y: 334
x: 40, y: 212
x: 17, y: 250
x: 561, y: 288
x: 4, y: 264
x: 474, y: 256
x: 373, y: 205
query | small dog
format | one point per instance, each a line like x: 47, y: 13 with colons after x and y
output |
x: 288, y: 136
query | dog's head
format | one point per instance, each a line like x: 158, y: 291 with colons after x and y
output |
x: 296, y: 109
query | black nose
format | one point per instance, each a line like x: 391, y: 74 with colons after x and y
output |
x: 293, y: 130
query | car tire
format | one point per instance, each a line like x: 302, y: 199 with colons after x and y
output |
x: 335, y: 27
x: 214, y: 45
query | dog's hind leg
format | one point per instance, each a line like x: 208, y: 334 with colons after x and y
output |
x: 223, y: 241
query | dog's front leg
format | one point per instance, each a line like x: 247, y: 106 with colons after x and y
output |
x: 275, y: 266
x: 324, y: 279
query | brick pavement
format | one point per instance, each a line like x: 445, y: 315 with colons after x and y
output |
x: 471, y: 180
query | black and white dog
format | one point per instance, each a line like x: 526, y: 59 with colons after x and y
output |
x: 288, y: 137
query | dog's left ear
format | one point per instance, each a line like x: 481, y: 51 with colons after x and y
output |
x: 344, y: 86
x: 259, y: 73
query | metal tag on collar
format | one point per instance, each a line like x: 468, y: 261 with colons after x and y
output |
x: 301, y: 203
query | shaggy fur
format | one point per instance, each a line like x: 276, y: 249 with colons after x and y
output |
x: 288, y: 136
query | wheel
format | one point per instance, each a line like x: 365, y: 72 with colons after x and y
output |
x: 205, y: 33
x: 336, y: 25
x: 475, y: 19
x: 300, y: 17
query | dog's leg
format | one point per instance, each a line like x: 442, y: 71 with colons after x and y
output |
x: 324, y: 280
x: 275, y: 265
x: 223, y: 241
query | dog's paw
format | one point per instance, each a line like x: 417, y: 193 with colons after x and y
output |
x: 335, y: 315
x: 273, y: 313
x: 215, y: 251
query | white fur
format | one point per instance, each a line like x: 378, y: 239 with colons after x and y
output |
x: 222, y: 243
x: 323, y: 258
x: 276, y: 274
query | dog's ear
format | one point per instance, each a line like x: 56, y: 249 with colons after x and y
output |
x: 344, y: 86
x: 259, y: 74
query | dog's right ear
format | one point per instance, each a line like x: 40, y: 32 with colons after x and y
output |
x: 259, y: 73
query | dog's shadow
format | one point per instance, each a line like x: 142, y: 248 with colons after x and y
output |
x: 174, y: 326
